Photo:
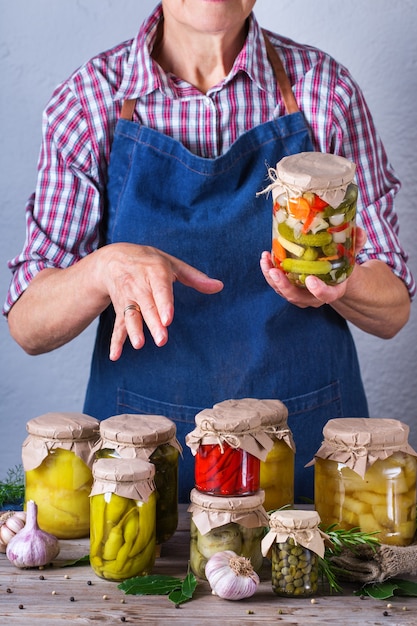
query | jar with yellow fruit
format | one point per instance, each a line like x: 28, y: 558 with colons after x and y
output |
x: 123, y: 505
x: 365, y: 477
x: 57, y: 456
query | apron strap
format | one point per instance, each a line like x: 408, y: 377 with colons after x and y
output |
x: 283, y: 81
x: 284, y: 84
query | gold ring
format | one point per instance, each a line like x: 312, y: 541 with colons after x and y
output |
x: 132, y: 307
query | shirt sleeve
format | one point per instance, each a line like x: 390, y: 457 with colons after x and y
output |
x: 341, y: 123
x: 63, y: 216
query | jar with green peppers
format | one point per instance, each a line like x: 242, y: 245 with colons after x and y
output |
x: 314, y: 217
x: 152, y: 438
x: 294, y: 544
x: 122, y: 518
x: 219, y: 524
x: 230, y: 441
x: 57, y: 456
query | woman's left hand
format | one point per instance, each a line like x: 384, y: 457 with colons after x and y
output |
x: 316, y: 293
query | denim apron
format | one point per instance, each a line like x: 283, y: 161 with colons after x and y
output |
x: 245, y: 341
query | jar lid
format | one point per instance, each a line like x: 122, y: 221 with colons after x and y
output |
x: 131, y: 478
x: 130, y: 431
x: 327, y: 175
x: 358, y: 442
x: 247, y: 423
x: 300, y: 525
x: 69, y: 431
x: 210, y: 512
x: 63, y: 426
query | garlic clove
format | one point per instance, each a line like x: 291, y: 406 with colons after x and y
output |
x: 31, y: 546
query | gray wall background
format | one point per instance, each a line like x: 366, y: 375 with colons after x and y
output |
x: 43, y: 41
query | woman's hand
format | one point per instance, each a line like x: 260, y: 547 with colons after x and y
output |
x: 141, y: 278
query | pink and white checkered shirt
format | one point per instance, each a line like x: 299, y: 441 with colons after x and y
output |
x: 64, y: 215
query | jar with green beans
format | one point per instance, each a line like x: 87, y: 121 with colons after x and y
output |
x: 152, y: 438
x: 294, y: 544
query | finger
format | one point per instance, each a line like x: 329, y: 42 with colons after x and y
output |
x: 118, y: 339
x: 133, y: 321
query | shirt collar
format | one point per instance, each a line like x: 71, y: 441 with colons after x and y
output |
x: 142, y: 75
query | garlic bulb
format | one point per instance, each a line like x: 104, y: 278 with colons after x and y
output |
x: 230, y: 576
x: 10, y: 524
x: 31, y: 546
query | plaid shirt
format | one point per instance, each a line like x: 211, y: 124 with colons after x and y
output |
x: 63, y: 216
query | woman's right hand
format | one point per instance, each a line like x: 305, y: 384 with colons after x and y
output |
x: 144, y: 276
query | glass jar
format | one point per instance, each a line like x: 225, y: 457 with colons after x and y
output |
x: 314, y: 217
x: 123, y: 509
x: 365, y: 477
x: 152, y: 438
x: 219, y: 523
x: 229, y: 442
x: 294, y: 544
x: 57, y: 456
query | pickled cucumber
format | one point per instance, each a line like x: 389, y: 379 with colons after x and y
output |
x: 316, y: 241
x: 301, y: 266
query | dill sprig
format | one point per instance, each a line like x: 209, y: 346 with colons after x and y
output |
x: 12, y: 488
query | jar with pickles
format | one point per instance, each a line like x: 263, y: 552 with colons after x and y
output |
x: 219, y: 524
x: 123, y: 509
x: 230, y: 441
x: 314, y: 216
x: 57, y: 456
x: 365, y: 477
x: 294, y: 544
x: 152, y: 438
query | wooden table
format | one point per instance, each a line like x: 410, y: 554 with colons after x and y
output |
x: 75, y: 595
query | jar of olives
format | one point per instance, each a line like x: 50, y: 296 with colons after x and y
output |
x: 57, y: 456
x: 230, y: 441
x: 123, y: 508
x: 365, y: 477
x: 219, y: 524
x: 294, y: 544
x: 314, y: 216
x: 152, y: 438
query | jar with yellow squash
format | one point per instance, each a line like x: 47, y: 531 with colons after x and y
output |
x: 220, y: 523
x: 123, y: 506
x: 151, y: 438
x: 365, y: 477
x: 57, y: 456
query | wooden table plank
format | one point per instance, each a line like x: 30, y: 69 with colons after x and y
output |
x: 47, y: 601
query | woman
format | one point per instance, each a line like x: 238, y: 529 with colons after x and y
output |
x: 192, y: 110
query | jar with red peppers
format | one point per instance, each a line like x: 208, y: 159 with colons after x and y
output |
x: 229, y: 442
x: 314, y: 215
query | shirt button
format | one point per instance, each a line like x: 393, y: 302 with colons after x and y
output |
x: 207, y: 101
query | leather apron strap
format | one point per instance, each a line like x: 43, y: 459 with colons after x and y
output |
x: 284, y: 84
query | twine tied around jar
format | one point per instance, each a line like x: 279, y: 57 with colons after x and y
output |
x: 220, y: 436
x: 300, y: 526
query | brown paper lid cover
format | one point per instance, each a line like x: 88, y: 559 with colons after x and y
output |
x: 358, y: 442
x: 327, y: 175
x: 300, y: 525
x: 130, y: 478
x: 71, y: 431
x: 135, y: 435
x: 247, y: 423
x: 210, y: 512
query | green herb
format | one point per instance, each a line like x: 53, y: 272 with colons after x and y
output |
x: 83, y: 560
x: 338, y: 540
x: 12, y: 489
x: 388, y: 589
x: 178, y: 590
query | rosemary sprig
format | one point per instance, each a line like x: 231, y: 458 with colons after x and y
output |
x: 12, y: 489
x: 339, y: 539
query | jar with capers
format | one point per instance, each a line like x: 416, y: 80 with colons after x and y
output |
x: 57, y: 456
x: 123, y: 505
x: 152, y: 438
x: 294, y: 544
x: 219, y: 524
